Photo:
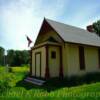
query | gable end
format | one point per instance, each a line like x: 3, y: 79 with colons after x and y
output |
x: 46, y: 28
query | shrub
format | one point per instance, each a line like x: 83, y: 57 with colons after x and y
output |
x: 92, y: 77
x: 7, y: 80
x: 74, y: 80
x: 88, y: 78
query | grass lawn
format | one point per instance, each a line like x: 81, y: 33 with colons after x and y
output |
x: 23, y: 90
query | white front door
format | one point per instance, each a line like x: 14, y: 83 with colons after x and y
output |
x: 38, y: 64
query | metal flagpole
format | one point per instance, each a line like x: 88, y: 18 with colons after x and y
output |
x: 5, y: 64
x: 4, y: 58
x: 29, y: 42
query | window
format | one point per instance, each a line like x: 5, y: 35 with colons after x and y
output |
x: 53, y: 55
x: 51, y: 39
x: 99, y: 56
x: 81, y: 58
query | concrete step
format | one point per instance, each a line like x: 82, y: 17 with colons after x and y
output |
x: 34, y: 81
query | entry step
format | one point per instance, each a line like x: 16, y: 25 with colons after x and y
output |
x: 35, y: 81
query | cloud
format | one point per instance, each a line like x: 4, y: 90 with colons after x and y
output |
x: 18, y: 20
x: 84, y: 14
x: 20, y: 17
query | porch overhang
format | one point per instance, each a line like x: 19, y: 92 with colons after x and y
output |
x: 46, y: 43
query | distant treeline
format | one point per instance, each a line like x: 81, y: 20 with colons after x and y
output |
x: 14, y: 57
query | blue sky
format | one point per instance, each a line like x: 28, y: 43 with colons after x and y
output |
x: 20, y: 17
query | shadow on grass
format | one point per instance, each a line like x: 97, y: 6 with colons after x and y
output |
x: 56, y: 83
x: 49, y: 86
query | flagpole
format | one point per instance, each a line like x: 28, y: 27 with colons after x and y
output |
x: 4, y: 57
x: 5, y: 60
x: 30, y: 52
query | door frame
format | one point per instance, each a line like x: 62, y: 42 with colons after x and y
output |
x: 56, y: 60
x: 40, y: 63
x: 61, y: 74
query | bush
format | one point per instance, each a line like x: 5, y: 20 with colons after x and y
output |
x: 88, y: 78
x: 7, y: 80
x: 92, y: 77
x: 74, y: 80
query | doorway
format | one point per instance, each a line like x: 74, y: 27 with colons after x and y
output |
x: 38, y: 64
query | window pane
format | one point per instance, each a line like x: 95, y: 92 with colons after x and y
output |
x: 99, y: 56
x: 53, y: 54
x: 81, y: 58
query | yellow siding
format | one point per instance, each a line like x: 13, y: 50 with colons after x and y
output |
x: 54, y: 64
x: 70, y: 54
x: 91, y: 59
x: 44, y: 37
x: 71, y: 60
x: 43, y: 61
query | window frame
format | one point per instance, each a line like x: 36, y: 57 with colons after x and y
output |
x: 99, y: 57
x: 53, y: 54
x: 81, y: 58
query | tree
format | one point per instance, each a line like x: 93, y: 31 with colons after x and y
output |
x: 17, y: 57
x: 1, y: 56
x: 10, y: 57
x: 26, y: 56
x: 96, y: 26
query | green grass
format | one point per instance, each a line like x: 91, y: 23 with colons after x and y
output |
x: 50, y: 90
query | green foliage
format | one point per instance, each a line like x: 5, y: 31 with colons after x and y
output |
x: 73, y: 88
x: 20, y: 69
x: 10, y: 57
x: 1, y: 56
x: 96, y: 27
x: 15, y: 57
x: 7, y: 80
x: 18, y: 58
x: 88, y: 92
x: 55, y: 83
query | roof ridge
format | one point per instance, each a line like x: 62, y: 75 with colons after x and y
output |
x: 47, y: 19
x: 74, y: 34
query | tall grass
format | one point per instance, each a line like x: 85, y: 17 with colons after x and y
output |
x: 20, y: 69
x: 83, y: 92
x: 22, y: 90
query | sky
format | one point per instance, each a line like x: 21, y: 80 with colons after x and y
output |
x: 24, y: 17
